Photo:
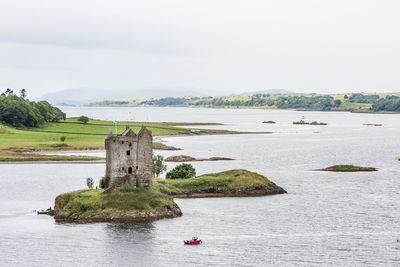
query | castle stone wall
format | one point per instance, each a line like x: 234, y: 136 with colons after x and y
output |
x: 145, y: 159
x: 130, y: 155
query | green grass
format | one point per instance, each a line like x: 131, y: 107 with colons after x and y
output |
x: 224, y: 181
x: 94, y: 201
x: 48, y: 158
x: 72, y: 125
x: 36, y: 139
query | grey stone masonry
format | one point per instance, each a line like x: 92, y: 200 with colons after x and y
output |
x: 130, y: 155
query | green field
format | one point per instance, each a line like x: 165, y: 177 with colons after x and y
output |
x: 79, y: 136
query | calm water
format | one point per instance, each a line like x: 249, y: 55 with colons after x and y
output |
x: 327, y: 219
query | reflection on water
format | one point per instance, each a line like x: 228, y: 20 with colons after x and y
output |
x: 328, y: 219
x: 128, y: 228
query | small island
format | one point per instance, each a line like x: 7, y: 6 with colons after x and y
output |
x: 94, y: 205
x: 301, y: 122
x: 232, y: 183
x: 272, y: 122
x: 184, y: 158
x: 348, y: 168
x: 372, y: 124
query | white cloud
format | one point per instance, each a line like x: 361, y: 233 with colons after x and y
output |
x: 321, y: 46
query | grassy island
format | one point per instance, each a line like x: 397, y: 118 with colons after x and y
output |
x: 184, y: 158
x: 93, y: 205
x: 348, y: 168
x: 227, y: 183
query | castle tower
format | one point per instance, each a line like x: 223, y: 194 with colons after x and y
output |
x: 129, y: 155
x: 145, y: 159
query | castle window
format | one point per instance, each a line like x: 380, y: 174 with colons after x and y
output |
x: 122, y: 142
x: 128, y: 152
x: 130, y: 170
x: 130, y: 144
x: 136, y: 167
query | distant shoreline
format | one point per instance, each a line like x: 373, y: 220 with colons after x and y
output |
x: 246, y: 107
x: 55, y: 162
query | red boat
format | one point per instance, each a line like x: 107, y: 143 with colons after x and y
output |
x: 194, y: 241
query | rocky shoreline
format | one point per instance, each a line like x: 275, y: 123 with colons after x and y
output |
x: 60, y: 215
x: 248, y: 192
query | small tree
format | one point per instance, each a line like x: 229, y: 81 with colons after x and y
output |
x: 104, y: 182
x: 9, y: 91
x: 22, y: 93
x: 89, y: 182
x: 158, y: 165
x: 182, y: 171
x: 62, y: 138
x: 83, y: 119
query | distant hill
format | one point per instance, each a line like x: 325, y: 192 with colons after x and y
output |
x: 81, y: 96
x: 268, y: 91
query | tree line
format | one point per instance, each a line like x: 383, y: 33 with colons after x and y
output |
x: 18, y: 111
x: 389, y: 103
x: 318, y: 102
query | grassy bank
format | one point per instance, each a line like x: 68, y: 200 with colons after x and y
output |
x: 232, y: 182
x: 130, y: 205
x: 28, y: 158
x: 79, y: 136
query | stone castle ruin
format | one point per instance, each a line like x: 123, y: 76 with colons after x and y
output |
x: 130, y: 156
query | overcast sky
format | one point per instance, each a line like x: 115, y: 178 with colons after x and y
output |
x: 226, y: 45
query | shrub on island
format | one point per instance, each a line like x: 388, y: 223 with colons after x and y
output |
x: 182, y: 171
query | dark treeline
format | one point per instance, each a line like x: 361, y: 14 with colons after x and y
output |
x: 168, y: 101
x: 115, y: 102
x: 19, y: 111
x: 323, y: 102
x: 320, y: 102
x: 360, y: 98
x: 389, y: 103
